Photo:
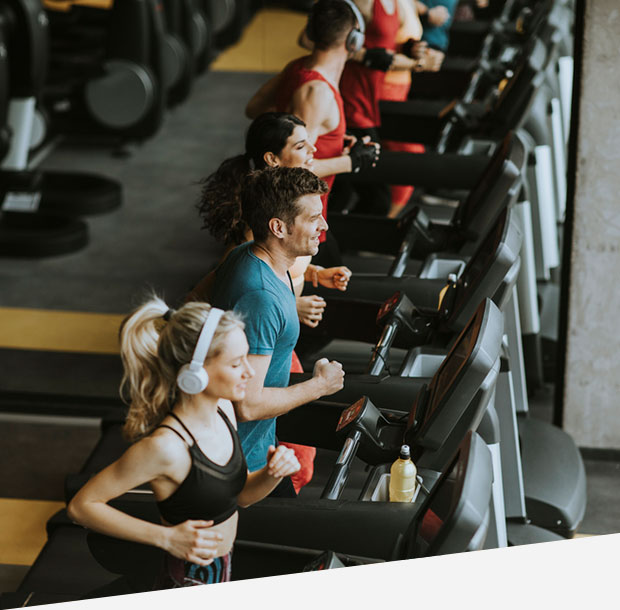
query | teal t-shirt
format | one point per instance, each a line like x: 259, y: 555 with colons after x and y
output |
x: 438, y: 37
x: 248, y: 285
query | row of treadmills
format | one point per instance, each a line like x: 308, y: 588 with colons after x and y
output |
x: 101, y: 74
x: 430, y: 333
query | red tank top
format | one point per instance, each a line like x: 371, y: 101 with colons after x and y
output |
x: 361, y: 86
x: 328, y: 145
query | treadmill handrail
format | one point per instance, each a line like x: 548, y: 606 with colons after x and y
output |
x: 338, y: 477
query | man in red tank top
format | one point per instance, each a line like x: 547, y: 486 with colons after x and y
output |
x: 308, y: 88
x: 362, y: 84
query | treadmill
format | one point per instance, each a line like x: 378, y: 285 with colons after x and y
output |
x: 396, y: 525
x: 479, y: 347
x: 415, y: 234
x: 451, y: 518
x: 436, y: 309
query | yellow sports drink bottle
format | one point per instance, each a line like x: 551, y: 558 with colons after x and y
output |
x: 402, y: 477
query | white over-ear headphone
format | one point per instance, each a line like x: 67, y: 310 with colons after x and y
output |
x: 192, y: 377
x: 355, y: 38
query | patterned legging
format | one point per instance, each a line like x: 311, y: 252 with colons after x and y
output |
x: 177, y: 573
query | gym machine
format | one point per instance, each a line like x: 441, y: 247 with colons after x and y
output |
x: 451, y: 518
x: 399, y: 531
x: 112, y: 70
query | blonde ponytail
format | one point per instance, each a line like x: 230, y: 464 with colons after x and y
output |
x: 153, y: 350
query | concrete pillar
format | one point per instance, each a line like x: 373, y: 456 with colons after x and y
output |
x: 592, y: 374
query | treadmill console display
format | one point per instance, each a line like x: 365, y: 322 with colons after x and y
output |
x: 468, y: 209
x: 399, y: 310
x: 441, y: 507
x: 389, y: 306
x: 478, y: 265
x: 416, y: 415
x: 454, y: 362
x: 351, y: 414
x: 412, y: 414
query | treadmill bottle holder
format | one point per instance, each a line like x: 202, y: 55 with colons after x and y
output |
x: 381, y: 491
x: 436, y: 267
x: 377, y: 484
x: 422, y: 362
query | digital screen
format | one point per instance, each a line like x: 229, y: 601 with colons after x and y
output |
x: 413, y: 412
x: 493, y: 171
x: 441, y: 507
x: 388, y: 305
x: 453, y: 363
x: 478, y: 264
x: 350, y: 414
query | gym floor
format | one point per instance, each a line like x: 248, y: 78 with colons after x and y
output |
x: 60, y: 316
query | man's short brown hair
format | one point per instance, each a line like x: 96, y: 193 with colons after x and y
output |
x: 273, y: 193
x: 329, y: 22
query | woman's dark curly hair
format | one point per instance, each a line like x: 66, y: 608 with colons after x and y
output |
x: 219, y: 204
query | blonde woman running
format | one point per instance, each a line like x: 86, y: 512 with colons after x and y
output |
x: 182, y: 370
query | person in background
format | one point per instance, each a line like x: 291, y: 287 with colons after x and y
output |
x: 308, y: 88
x: 274, y: 139
x: 361, y: 86
x: 436, y: 17
x: 396, y: 87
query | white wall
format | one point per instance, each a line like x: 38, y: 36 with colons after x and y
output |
x: 592, y: 387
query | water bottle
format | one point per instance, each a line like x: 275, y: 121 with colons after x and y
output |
x: 403, y: 477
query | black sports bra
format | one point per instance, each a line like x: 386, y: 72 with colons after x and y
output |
x: 209, y: 491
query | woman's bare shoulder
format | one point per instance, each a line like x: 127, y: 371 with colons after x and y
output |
x: 228, y: 409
